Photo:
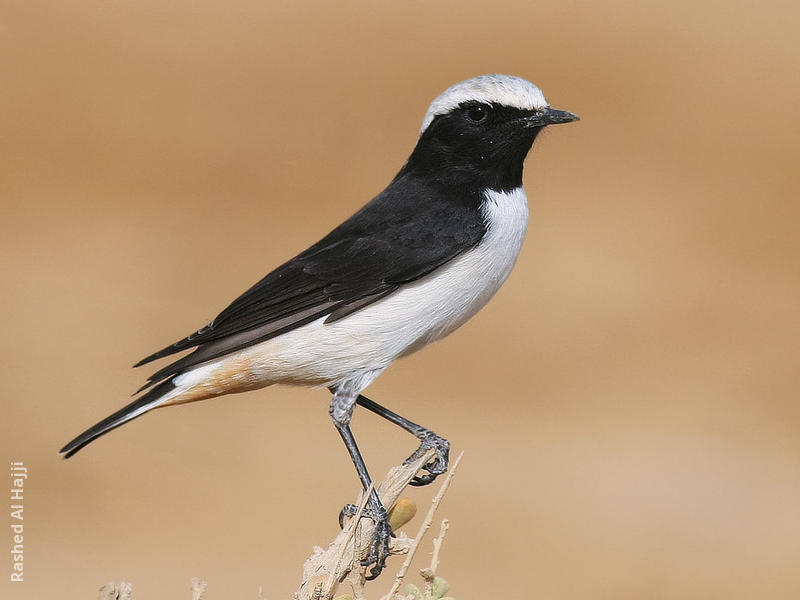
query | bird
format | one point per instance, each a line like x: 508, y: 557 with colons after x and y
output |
x: 407, y: 269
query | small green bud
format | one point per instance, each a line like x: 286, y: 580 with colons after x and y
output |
x: 440, y: 588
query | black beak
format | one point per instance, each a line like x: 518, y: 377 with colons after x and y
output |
x: 549, y: 116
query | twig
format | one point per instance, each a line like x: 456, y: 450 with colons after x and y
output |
x: 437, y: 545
x: 350, y: 528
x: 111, y: 591
x: 336, y: 563
x: 325, y: 570
x: 422, y: 530
x: 198, y: 588
x: 429, y: 573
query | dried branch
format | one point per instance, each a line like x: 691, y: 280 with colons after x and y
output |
x: 423, y: 529
x: 326, y: 570
x: 429, y: 573
x: 110, y: 591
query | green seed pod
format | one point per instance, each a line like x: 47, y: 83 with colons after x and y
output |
x: 440, y: 588
x: 413, y: 591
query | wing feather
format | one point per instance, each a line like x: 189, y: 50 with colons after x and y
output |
x: 406, y: 232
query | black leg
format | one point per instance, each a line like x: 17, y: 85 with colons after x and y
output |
x: 428, y: 438
x: 383, y: 531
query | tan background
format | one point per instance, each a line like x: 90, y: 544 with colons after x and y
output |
x: 628, y: 403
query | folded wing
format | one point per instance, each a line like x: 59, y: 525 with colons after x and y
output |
x: 405, y: 233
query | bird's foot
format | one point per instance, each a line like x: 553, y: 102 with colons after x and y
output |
x: 437, y: 466
x: 351, y: 510
x: 379, y: 546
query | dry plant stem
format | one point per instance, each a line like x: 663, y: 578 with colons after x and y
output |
x: 198, y: 588
x: 326, y: 569
x: 110, y: 591
x: 422, y: 529
x: 429, y: 573
x: 124, y: 591
x: 342, y: 559
x: 351, y: 528
x: 437, y: 545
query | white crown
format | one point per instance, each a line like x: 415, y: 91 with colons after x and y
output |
x: 505, y: 90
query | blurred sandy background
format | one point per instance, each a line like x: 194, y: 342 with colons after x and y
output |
x: 628, y: 403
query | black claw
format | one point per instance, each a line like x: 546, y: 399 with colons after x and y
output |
x: 436, y: 467
x: 351, y: 510
x: 379, y: 549
x: 420, y: 480
x: 379, y: 546
x: 348, y: 510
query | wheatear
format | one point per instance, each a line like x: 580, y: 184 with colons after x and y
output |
x: 410, y: 267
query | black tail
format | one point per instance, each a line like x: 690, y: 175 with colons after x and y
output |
x: 134, y: 409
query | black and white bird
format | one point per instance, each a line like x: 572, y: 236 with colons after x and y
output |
x: 407, y: 269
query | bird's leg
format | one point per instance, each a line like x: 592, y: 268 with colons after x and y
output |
x: 427, y: 438
x: 341, y: 409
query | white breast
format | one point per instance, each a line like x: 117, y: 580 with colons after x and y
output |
x: 419, y: 313
x: 464, y: 286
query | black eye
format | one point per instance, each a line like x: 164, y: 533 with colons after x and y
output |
x: 477, y: 113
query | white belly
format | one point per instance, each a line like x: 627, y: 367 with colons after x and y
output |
x: 370, y: 339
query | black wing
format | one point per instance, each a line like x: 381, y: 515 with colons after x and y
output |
x: 403, y: 234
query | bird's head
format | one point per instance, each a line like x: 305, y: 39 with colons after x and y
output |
x: 481, y: 129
